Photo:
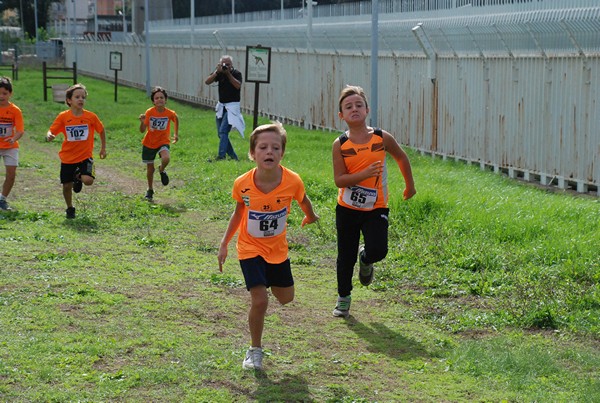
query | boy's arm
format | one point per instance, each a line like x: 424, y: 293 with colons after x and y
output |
x: 234, y: 223
x: 392, y: 147
x: 143, y: 126
x: 16, y: 136
x: 176, y: 133
x: 102, y: 135
x: 342, y: 178
x: 309, y: 214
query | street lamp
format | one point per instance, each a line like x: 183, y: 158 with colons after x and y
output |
x: 122, y: 12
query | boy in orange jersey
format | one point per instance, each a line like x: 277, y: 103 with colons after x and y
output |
x: 157, y: 121
x: 12, y: 129
x: 263, y: 198
x: 76, y: 154
x: 360, y: 173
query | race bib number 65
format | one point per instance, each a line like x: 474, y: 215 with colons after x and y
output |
x: 360, y: 197
x: 264, y: 225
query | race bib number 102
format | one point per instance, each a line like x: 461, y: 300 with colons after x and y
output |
x: 77, y: 133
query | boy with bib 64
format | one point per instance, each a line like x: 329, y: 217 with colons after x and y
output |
x: 263, y: 198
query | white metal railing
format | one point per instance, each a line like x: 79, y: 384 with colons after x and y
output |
x: 514, y: 90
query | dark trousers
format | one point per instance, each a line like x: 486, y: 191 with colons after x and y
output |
x: 349, y: 224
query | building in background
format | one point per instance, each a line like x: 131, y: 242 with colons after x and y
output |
x: 107, y: 18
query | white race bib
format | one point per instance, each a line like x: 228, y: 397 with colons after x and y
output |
x: 266, y: 224
x: 158, y: 123
x: 360, y: 197
x: 77, y: 133
x: 6, y: 130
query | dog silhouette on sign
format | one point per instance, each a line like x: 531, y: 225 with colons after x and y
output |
x: 258, y: 59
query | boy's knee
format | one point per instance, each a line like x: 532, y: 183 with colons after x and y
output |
x: 375, y: 254
x: 285, y: 299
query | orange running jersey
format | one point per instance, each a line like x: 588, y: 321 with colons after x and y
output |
x: 262, y: 231
x: 372, y: 192
x: 159, y: 127
x: 11, y: 121
x: 78, y: 144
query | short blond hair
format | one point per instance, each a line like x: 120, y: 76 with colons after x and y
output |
x: 276, y: 127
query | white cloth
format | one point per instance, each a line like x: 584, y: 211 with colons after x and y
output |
x: 234, y: 115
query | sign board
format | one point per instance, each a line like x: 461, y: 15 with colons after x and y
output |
x: 258, y: 64
x: 116, y: 61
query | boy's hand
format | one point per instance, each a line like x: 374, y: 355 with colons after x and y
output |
x: 222, y: 256
x: 310, y: 220
x: 50, y: 136
x: 409, y: 192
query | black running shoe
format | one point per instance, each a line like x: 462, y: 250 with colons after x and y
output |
x: 149, y: 194
x: 77, y: 185
x: 71, y: 212
x: 4, y: 205
x: 365, y: 272
x: 164, y: 178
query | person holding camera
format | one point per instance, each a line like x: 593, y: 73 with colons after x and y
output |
x: 228, y: 112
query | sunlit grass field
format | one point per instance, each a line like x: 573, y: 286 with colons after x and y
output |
x: 490, y: 290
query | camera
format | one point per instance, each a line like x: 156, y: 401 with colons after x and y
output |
x: 224, y: 66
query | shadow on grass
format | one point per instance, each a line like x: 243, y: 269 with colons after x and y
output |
x: 82, y: 223
x: 381, y: 339
x: 290, y: 388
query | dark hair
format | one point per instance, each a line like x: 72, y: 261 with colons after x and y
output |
x: 72, y: 89
x: 275, y: 127
x: 6, y: 83
x: 158, y: 89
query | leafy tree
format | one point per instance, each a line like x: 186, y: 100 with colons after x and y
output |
x: 28, y: 13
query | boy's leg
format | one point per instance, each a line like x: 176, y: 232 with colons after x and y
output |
x: 68, y: 193
x: 348, y: 236
x: 375, y: 234
x: 9, y: 180
x: 87, y: 172
x: 256, y: 314
x: 165, y: 158
x: 283, y: 294
x: 150, y: 174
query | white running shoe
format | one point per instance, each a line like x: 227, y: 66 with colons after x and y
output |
x: 253, y: 359
x: 342, y: 308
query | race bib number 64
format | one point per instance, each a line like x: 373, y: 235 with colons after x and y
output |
x: 264, y: 225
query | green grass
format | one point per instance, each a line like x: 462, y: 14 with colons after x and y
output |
x: 490, y: 291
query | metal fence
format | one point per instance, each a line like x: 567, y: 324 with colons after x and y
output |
x: 511, y: 87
